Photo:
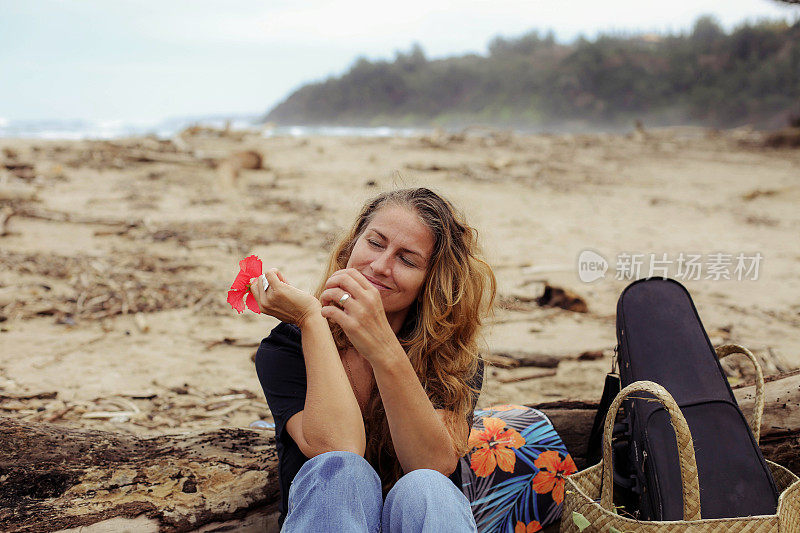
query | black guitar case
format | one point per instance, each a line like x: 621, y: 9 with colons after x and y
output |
x: 661, y: 339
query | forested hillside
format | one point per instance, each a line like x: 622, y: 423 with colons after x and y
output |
x: 750, y: 75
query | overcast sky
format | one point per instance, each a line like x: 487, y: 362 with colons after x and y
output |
x: 147, y: 60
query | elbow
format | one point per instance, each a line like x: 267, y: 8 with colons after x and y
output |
x: 337, y: 439
x: 445, y: 465
x: 446, y: 469
x: 449, y: 466
x: 356, y: 446
x: 450, y: 462
x: 326, y: 449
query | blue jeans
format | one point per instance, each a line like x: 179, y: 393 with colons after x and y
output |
x: 341, y: 492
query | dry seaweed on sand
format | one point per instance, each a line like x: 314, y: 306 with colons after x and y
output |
x: 99, y: 287
x: 150, y: 411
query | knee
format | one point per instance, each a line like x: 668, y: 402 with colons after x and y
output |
x: 330, y: 486
x: 336, y: 462
x: 429, y: 497
x: 421, y: 484
x: 339, y: 457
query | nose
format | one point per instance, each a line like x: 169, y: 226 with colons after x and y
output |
x: 382, y: 264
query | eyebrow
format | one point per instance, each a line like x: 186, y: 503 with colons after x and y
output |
x: 382, y: 236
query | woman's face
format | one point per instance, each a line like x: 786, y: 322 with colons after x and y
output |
x: 393, y: 254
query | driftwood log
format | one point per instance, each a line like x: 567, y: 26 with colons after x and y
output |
x: 54, y: 478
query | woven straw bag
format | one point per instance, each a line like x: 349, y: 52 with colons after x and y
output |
x: 585, y: 488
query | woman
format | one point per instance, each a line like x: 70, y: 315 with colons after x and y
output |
x: 372, y: 381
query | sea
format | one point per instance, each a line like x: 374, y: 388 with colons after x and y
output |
x: 77, y: 129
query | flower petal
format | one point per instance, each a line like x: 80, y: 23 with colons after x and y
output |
x: 240, y: 283
x: 477, y: 438
x: 533, y: 527
x: 483, y: 462
x: 493, y: 426
x: 235, y: 299
x: 543, y: 482
x: 251, y: 265
x: 558, y: 491
x: 505, y: 458
x: 519, y: 528
x: 251, y: 303
x: 568, y: 466
x: 548, y: 460
x: 511, y: 438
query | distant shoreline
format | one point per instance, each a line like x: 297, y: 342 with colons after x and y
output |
x: 89, y: 130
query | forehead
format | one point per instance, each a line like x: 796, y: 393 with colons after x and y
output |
x: 403, y: 227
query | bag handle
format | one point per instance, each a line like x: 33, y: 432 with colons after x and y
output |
x: 758, y: 408
x: 688, y: 464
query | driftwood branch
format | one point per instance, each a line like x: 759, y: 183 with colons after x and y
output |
x: 528, y: 377
x: 521, y: 358
x: 53, y: 478
x: 516, y: 359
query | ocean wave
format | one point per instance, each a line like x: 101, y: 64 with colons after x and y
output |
x: 115, y: 129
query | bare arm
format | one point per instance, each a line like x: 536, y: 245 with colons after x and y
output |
x: 418, y: 431
x: 331, y: 419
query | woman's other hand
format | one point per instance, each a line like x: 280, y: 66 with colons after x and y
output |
x: 361, y: 315
x: 281, y: 300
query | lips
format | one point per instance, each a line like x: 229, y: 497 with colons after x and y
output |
x: 378, y: 284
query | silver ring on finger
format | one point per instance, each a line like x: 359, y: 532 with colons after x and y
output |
x: 343, y: 299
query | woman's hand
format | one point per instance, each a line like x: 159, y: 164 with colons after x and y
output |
x: 281, y: 300
x: 361, y: 316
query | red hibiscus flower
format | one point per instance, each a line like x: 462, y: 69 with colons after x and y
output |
x: 249, y: 268
x: 530, y: 528
x: 494, y: 447
x: 552, y: 471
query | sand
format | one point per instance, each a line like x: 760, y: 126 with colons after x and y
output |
x: 117, y: 255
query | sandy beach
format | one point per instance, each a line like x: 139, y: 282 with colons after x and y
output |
x: 116, y: 255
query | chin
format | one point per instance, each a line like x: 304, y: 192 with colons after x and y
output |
x: 391, y: 307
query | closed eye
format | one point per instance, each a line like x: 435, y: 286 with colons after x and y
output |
x: 376, y: 244
x: 406, y: 261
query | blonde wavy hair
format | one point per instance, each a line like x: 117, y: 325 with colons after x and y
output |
x: 440, y: 332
